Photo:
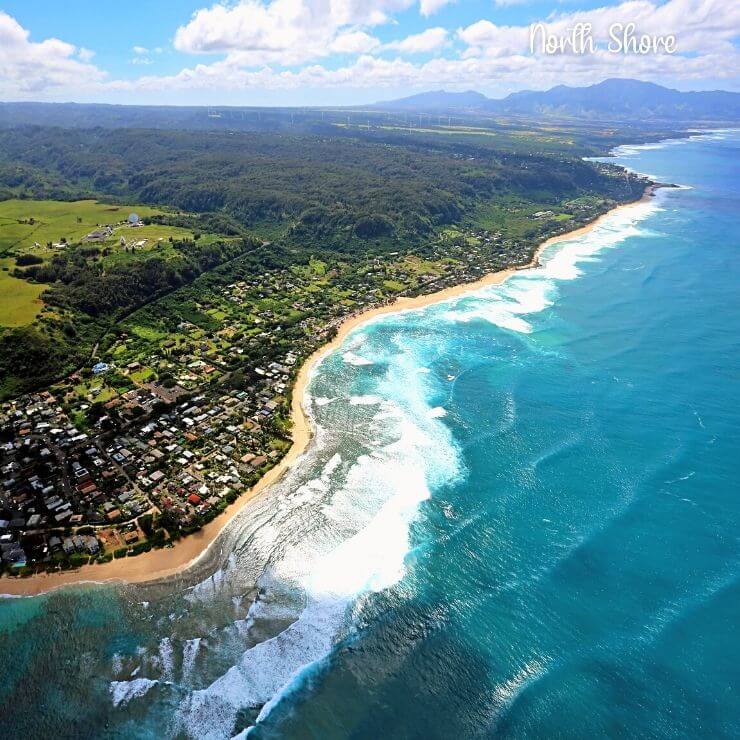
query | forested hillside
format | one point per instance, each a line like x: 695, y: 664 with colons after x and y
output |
x: 332, y: 193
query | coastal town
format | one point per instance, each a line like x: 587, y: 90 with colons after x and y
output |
x: 187, y: 405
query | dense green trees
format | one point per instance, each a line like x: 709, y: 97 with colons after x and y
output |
x: 333, y: 192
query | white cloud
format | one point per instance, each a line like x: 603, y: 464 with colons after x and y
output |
x: 141, y: 56
x: 30, y: 69
x: 701, y: 26
x: 285, y: 32
x: 513, y: 71
x: 354, y: 42
x: 430, y: 7
x: 419, y: 43
x: 85, y: 54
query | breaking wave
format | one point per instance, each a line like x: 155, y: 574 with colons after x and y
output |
x: 340, y: 533
x: 532, y: 291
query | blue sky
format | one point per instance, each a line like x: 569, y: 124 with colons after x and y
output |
x: 298, y: 52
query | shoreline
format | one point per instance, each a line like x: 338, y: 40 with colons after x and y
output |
x: 160, y: 564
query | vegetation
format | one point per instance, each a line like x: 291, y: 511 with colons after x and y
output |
x: 336, y: 194
x: 20, y: 301
x: 337, y: 201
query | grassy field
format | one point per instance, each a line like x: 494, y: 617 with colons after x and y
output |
x: 24, y: 222
x: 19, y: 300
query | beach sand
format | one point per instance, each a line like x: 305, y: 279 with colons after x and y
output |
x: 160, y: 564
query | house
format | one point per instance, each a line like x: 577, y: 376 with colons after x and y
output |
x: 99, y: 234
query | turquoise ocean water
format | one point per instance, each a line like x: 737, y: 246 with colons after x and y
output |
x: 520, y: 518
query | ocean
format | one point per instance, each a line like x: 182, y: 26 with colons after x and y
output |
x: 519, y: 518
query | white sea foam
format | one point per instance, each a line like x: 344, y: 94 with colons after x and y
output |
x: 356, y: 541
x: 189, y: 654
x: 506, y: 693
x: 319, y: 401
x: 529, y: 292
x: 345, y: 531
x: 116, y: 664
x: 365, y: 400
x: 165, y: 659
x: 122, y: 692
x: 353, y: 359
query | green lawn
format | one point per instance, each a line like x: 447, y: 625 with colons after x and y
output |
x: 142, y: 376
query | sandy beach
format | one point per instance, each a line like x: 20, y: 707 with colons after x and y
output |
x: 159, y: 564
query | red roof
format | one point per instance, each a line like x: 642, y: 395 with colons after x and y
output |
x: 194, y: 499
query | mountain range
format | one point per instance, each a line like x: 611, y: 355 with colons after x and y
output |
x: 613, y: 98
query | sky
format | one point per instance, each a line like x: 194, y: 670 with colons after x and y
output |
x: 346, y: 52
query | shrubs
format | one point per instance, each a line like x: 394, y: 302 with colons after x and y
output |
x: 77, y: 558
x: 145, y: 523
x: 24, y: 260
x: 140, y: 547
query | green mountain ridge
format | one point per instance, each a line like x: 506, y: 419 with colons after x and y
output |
x: 619, y: 98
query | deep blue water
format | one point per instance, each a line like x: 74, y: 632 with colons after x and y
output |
x: 520, y: 519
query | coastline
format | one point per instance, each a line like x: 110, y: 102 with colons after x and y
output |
x: 167, y: 562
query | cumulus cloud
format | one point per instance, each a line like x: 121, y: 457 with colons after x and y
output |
x: 419, y: 43
x: 370, y: 71
x: 703, y: 26
x: 252, y: 34
x: 354, y: 42
x: 30, y: 68
x: 430, y: 7
x: 286, y: 32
